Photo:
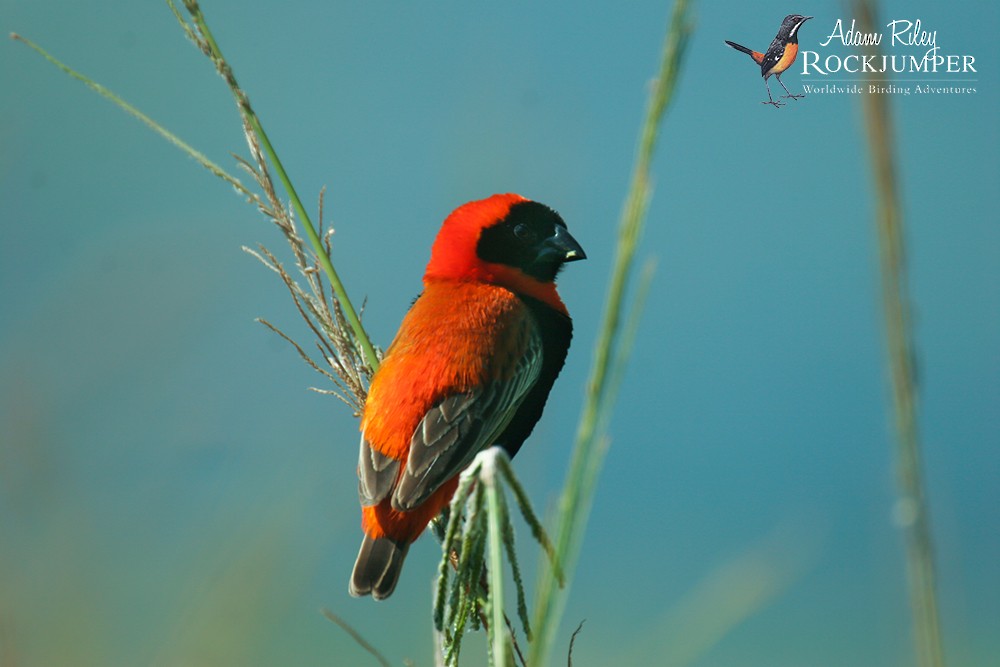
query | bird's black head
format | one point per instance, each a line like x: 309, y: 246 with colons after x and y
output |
x: 790, y: 26
x: 531, y: 237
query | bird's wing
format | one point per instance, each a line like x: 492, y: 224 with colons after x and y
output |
x: 771, y: 56
x: 376, y: 474
x: 459, y: 426
x: 756, y: 55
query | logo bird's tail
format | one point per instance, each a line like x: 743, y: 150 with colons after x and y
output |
x: 756, y: 55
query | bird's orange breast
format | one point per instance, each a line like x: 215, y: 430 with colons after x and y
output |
x: 455, y: 337
x: 786, y: 59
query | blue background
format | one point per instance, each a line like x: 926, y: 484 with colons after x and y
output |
x: 170, y: 492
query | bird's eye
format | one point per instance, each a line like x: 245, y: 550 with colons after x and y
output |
x: 524, y: 233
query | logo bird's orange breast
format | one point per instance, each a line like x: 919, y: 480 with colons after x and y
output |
x: 787, y: 58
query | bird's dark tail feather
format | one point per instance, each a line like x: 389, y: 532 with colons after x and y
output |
x: 378, y: 566
x: 740, y: 47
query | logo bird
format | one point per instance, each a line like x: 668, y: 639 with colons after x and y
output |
x: 779, y: 56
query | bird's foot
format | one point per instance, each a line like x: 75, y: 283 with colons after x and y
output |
x: 773, y: 103
x: 794, y: 97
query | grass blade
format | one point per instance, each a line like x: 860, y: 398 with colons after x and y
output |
x: 132, y: 111
x: 610, y: 352
x: 212, y: 50
x: 912, y: 512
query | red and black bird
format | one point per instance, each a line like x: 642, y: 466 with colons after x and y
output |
x: 779, y: 56
x: 471, y: 367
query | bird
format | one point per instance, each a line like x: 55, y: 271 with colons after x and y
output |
x: 470, y: 367
x: 779, y: 56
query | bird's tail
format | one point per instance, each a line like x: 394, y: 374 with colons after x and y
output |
x: 378, y: 566
x: 756, y: 55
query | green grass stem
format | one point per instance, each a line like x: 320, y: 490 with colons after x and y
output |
x: 131, y: 110
x: 497, y: 620
x: 611, y: 351
x: 243, y: 102
x: 912, y: 508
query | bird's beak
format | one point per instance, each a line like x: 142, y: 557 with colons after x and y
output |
x: 805, y: 18
x: 561, y: 247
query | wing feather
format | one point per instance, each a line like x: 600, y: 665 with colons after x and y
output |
x: 461, y: 425
x: 376, y: 474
